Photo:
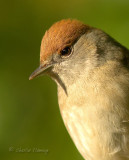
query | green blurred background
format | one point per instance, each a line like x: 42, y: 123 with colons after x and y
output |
x: 29, y: 113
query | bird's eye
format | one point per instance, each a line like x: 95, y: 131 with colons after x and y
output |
x: 65, y: 52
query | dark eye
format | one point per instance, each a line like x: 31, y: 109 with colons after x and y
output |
x: 65, y: 52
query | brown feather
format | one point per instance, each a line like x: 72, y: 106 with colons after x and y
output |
x: 60, y: 35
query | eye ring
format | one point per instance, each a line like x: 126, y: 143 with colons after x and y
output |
x: 65, y: 52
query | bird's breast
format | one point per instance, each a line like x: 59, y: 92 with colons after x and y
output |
x: 79, y: 130
x: 94, y: 111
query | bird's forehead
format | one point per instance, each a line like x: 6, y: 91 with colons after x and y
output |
x: 61, y: 34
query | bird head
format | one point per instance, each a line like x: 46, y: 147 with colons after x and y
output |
x: 70, y: 49
x: 58, y: 46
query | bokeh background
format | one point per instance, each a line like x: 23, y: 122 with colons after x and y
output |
x: 29, y: 113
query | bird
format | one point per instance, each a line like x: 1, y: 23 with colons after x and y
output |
x: 91, y: 70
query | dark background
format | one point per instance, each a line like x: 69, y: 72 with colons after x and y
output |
x: 29, y: 113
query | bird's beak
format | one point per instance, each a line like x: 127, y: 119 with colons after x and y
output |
x: 40, y: 70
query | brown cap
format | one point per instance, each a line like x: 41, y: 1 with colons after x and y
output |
x: 60, y: 35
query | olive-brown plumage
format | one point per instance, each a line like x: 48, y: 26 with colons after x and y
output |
x: 92, y: 74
